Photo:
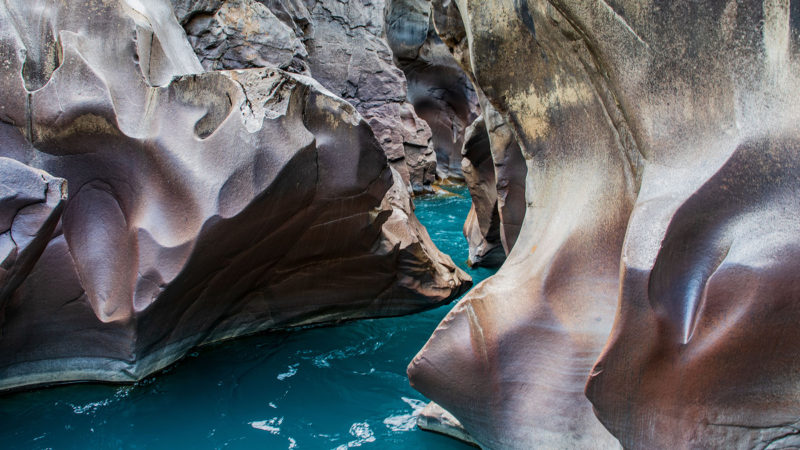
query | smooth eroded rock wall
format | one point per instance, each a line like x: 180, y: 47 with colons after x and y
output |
x: 656, y: 254
x: 339, y: 44
x: 198, y: 206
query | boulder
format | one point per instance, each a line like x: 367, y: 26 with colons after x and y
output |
x: 201, y: 205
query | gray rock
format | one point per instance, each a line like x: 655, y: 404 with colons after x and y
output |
x: 340, y: 44
x: 202, y: 206
x: 31, y: 203
x: 442, y: 94
x: 243, y: 34
x: 657, y: 254
x: 482, y: 227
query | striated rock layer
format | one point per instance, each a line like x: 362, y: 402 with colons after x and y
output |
x: 340, y: 44
x: 440, y: 91
x: 662, y: 144
x: 198, y: 205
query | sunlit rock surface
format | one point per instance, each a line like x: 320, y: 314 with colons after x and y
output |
x: 662, y: 146
x: 199, y: 205
x: 340, y: 44
x: 440, y: 91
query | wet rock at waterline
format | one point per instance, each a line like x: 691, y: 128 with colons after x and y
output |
x: 201, y: 206
x: 440, y: 91
x: 662, y: 175
x: 340, y: 44
x: 434, y: 418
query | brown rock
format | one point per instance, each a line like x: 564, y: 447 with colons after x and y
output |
x: 202, y: 206
x: 662, y: 145
x: 511, y: 359
x: 340, y: 44
x: 510, y: 172
x: 440, y: 91
x: 482, y: 227
x: 495, y: 171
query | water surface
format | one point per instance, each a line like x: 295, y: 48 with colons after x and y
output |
x: 316, y: 388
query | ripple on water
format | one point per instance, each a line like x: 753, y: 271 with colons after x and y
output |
x: 317, y: 388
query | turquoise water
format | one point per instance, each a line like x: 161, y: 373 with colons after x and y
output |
x: 315, y: 388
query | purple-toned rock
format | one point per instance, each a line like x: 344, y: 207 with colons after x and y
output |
x: 201, y: 205
x: 440, y: 91
x: 510, y: 361
x: 662, y: 148
x: 340, y: 44
x: 31, y: 203
x: 482, y: 227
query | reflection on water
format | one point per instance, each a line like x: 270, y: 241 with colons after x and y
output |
x: 316, y: 388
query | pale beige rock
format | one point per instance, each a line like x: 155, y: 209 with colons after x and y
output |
x: 662, y: 148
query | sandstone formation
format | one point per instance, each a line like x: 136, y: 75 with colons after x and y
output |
x: 31, y: 203
x: 510, y: 172
x: 198, y: 206
x: 518, y: 349
x: 495, y: 171
x: 482, y: 227
x: 662, y: 146
x: 340, y: 44
x: 440, y: 91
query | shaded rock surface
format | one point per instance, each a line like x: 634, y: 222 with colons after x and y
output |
x: 482, y: 227
x: 440, y: 91
x: 31, y: 203
x: 662, y: 146
x: 517, y: 351
x: 201, y: 205
x: 495, y: 171
x: 340, y: 44
x: 434, y: 418
x: 510, y: 172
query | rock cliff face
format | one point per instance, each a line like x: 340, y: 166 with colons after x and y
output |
x: 662, y: 147
x: 198, y: 205
x: 494, y: 169
x: 340, y: 44
x: 440, y: 91
x: 482, y: 227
